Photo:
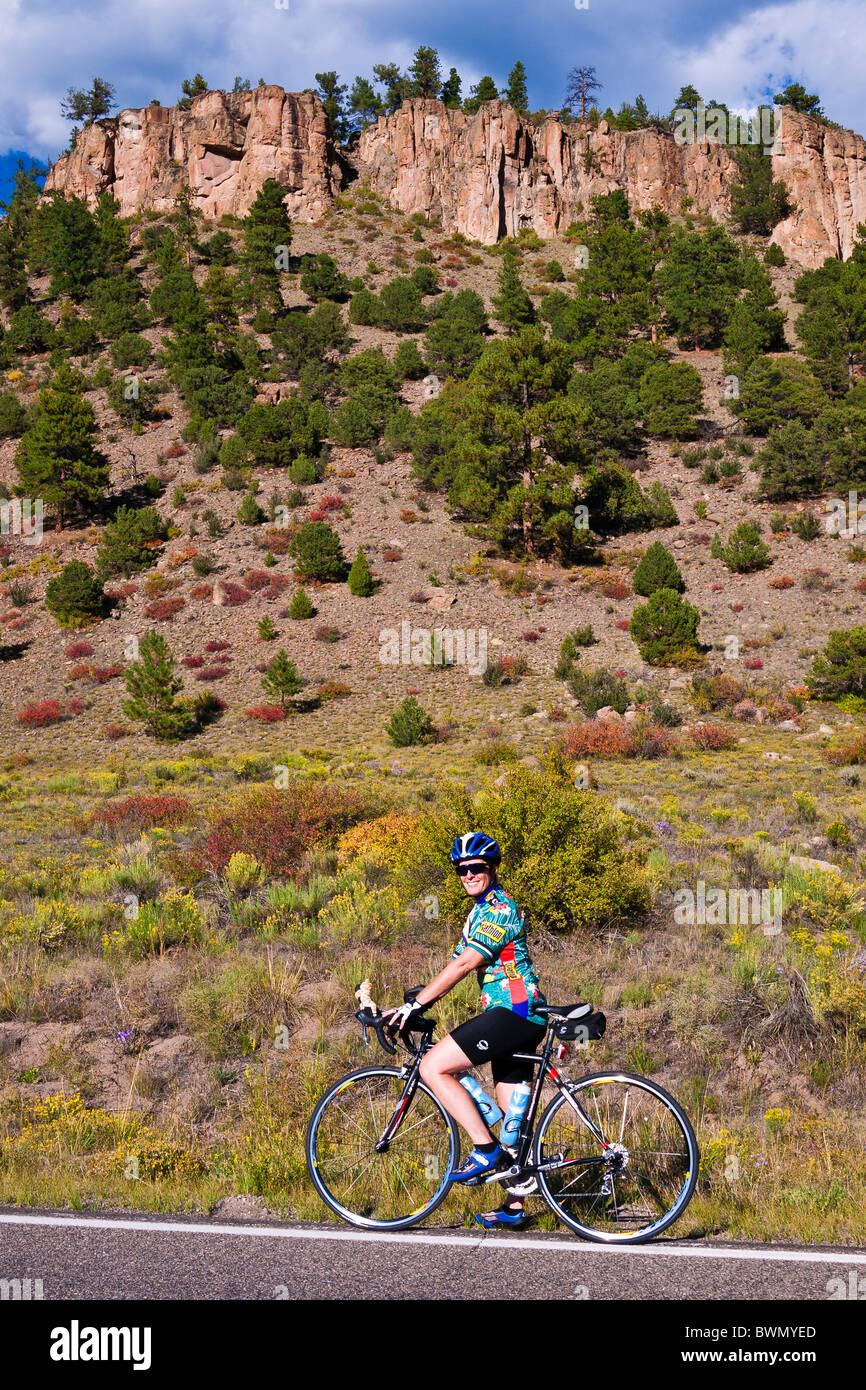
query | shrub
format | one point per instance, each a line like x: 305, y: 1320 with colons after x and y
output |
x: 317, y: 552
x: 130, y: 542
x: 841, y: 669
x: 281, y: 678
x: 171, y: 921
x: 774, y: 255
x: 744, y: 551
x: 75, y: 596
x: 665, y: 627
x: 615, y: 589
x: 143, y: 811
x: 332, y: 690
x: 657, y: 570
x: 409, y: 724
x: 266, y: 714
x: 76, y: 650
x: 152, y: 687
x: 715, y: 692
x: 193, y: 662
x: 409, y: 362
x: 569, y: 650
x: 560, y: 847
x: 782, y: 581
x: 360, y: 581
x: 593, y: 690
x: 712, y: 737
x: 40, y: 715
x: 282, y: 824
x: 217, y: 644
x: 249, y: 512
x: 164, y: 609
x: 266, y: 629
x: 597, y: 739
x: 805, y: 525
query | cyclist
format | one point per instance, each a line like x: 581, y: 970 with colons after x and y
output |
x: 493, y: 944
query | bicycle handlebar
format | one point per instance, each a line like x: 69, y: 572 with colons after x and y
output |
x: 370, y: 1016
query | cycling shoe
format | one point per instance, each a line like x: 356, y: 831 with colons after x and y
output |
x: 477, y: 1165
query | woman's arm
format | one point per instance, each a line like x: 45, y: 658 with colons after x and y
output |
x: 454, y: 971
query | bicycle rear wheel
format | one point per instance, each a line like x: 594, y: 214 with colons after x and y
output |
x: 639, y: 1181
x: 390, y: 1190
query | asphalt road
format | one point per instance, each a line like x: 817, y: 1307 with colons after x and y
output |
x: 147, y: 1257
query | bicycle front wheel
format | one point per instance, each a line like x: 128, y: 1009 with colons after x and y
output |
x: 635, y: 1184
x: 390, y: 1190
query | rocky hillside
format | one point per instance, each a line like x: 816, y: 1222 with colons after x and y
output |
x: 485, y: 176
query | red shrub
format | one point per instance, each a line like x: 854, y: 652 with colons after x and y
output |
x: 114, y: 731
x: 175, y: 451
x: 317, y: 515
x: 616, y: 589
x: 623, y: 624
x: 597, y: 738
x: 77, y: 672
x: 201, y: 591
x: 737, y: 607
x: 18, y: 624
x: 716, y: 588
x: 531, y: 636
x: 782, y: 581
x: 268, y: 714
x: 216, y: 646
x: 860, y: 586
x: 193, y: 662
x: 142, y: 811
x: 164, y: 609
x: 278, y: 826
x: 102, y: 674
x: 212, y: 673
x: 753, y: 663
x: 77, y: 650
x: 233, y: 594
x: 41, y: 714
x: 331, y: 503
x: 712, y: 737
x: 11, y: 613
x: 392, y: 556
x: 75, y: 707
x: 125, y: 591
x: 256, y: 579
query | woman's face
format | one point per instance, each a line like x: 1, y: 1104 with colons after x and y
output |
x: 476, y: 877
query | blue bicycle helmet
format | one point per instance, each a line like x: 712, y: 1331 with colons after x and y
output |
x: 475, y: 845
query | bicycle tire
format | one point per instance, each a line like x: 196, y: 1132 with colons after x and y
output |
x: 690, y: 1158
x: 317, y: 1163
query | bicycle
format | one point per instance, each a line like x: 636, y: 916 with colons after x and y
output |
x: 380, y: 1147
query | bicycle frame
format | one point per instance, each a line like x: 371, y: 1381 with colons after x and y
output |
x: 527, y: 1126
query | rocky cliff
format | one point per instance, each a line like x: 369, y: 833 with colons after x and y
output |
x: 486, y: 175
x: 223, y: 147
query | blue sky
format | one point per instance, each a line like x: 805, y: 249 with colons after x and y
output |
x: 734, y: 51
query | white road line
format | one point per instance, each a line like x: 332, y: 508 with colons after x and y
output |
x: 574, y: 1246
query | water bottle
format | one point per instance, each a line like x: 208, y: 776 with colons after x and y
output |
x: 489, y: 1109
x: 510, y: 1130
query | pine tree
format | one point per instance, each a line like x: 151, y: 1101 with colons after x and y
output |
x: 152, y: 687
x: 301, y: 606
x: 757, y: 201
x: 512, y: 305
x: 699, y: 280
x: 73, y: 248
x: 841, y: 668
x: 15, y: 233
x: 112, y: 234
x: 75, y: 595
x: 187, y: 219
x: 665, y: 628
x: 795, y: 94
x: 331, y: 93
x: 282, y: 680
x: 89, y: 106
x: 582, y: 85
x: 515, y: 93
x: 424, y: 74
x: 266, y: 229
x: 395, y: 83
x: 57, y: 458
x: 361, y: 582
x: 191, y: 87
x: 317, y: 552
x: 485, y: 90
x: 744, y: 550
x: 364, y: 102
x: 657, y: 570
x: 450, y: 93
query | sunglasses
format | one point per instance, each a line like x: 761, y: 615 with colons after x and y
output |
x: 464, y: 869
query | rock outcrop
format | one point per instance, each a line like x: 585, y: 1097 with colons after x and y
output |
x: 486, y: 175
x: 223, y: 148
x: 491, y: 174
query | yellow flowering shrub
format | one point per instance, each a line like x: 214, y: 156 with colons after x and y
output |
x: 378, y: 841
x: 173, y: 921
x: 50, y: 925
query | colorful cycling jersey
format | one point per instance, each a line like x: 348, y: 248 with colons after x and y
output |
x: 495, y: 928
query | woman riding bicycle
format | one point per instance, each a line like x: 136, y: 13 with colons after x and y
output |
x: 493, y: 944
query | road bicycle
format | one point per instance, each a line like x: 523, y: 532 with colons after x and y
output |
x: 614, y: 1156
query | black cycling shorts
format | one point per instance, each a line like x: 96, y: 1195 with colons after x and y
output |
x: 494, y: 1037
